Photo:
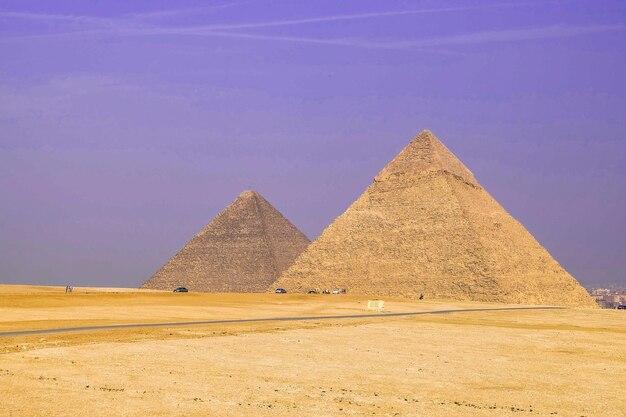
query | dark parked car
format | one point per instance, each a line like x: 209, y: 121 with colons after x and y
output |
x: 280, y: 291
x: 621, y: 307
x: 181, y: 289
x: 312, y: 292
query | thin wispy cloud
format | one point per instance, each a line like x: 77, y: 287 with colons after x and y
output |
x: 44, y: 17
x: 358, y: 43
x: 512, y: 35
x: 135, y: 25
x: 337, y: 18
x: 76, y: 23
x: 137, y: 32
x: 232, y: 26
x: 161, y: 14
x: 431, y: 45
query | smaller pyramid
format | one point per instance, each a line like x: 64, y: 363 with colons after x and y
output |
x: 243, y: 249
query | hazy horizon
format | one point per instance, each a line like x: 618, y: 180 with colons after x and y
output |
x: 127, y: 127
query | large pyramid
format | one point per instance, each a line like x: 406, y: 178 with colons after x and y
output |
x: 425, y: 225
x: 243, y: 249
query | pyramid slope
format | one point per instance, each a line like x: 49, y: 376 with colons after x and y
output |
x: 426, y: 226
x: 243, y: 249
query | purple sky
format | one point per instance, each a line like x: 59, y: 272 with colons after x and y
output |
x: 125, y: 127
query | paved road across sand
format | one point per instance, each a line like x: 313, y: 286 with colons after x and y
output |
x: 303, y: 318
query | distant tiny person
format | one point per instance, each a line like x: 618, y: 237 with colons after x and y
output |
x: 421, y: 296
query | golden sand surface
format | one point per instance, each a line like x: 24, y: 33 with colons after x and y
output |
x: 568, y: 362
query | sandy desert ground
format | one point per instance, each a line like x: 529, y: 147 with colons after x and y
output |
x: 498, y: 363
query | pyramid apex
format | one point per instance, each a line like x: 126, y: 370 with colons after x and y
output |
x: 425, y: 153
x: 426, y: 132
x: 426, y: 135
x: 248, y: 194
